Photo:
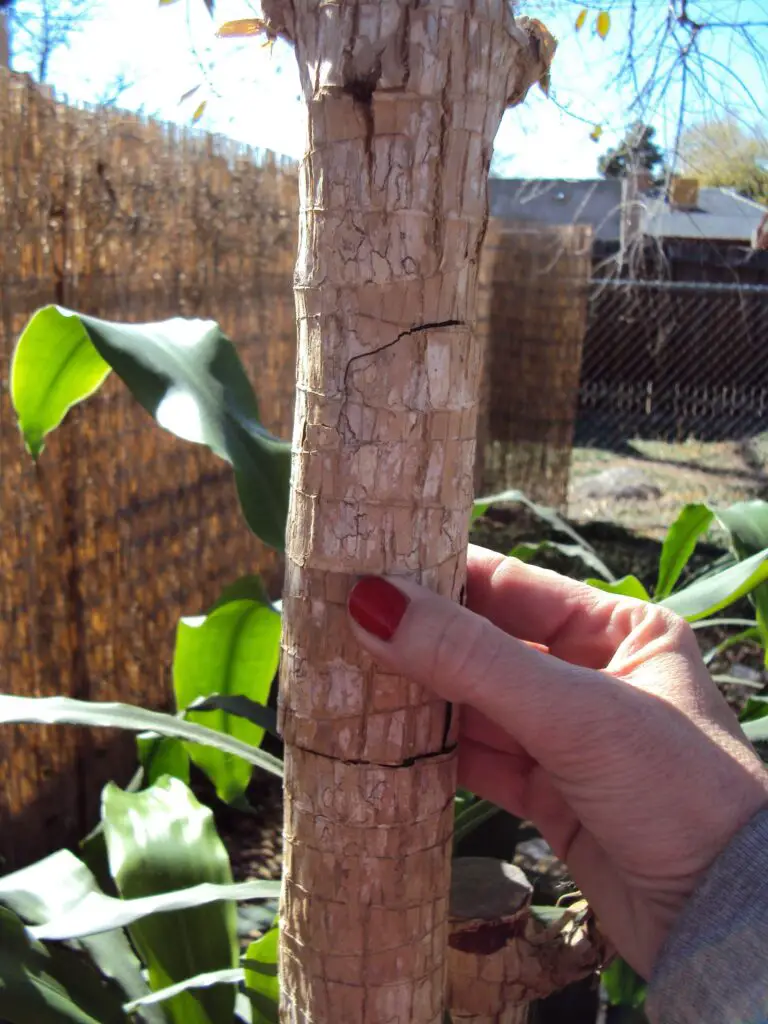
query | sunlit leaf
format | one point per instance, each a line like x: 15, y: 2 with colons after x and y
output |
x: 160, y: 841
x: 581, y: 17
x: 710, y: 595
x: 627, y: 586
x: 229, y: 976
x: 747, y: 526
x: 162, y: 755
x: 261, y: 981
x: 234, y: 651
x: 603, y: 24
x: 679, y: 545
x: 199, y: 111
x: 241, y: 28
x: 53, y: 887
x: 67, y: 711
x: 623, y: 986
x: 185, y: 373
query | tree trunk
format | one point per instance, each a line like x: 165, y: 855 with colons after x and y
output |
x: 404, y: 102
x: 5, y: 40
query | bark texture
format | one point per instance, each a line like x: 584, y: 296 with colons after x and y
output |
x: 501, y: 956
x: 5, y: 45
x: 404, y: 102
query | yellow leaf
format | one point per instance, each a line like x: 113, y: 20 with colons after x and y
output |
x: 199, y: 112
x: 240, y: 28
x: 164, y: 3
x: 581, y: 17
x: 603, y: 24
x: 596, y: 132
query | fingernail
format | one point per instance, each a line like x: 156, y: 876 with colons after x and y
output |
x: 377, y: 606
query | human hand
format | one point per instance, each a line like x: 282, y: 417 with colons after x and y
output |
x: 616, y: 744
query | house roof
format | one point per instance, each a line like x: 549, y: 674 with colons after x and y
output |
x: 721, y: 213
x: 559, y: 201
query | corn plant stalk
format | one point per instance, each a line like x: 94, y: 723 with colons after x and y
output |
x: 404, y: 100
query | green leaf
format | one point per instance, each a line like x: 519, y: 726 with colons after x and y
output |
x: 162, y: 755
x: 747, y: 526
x: 679, y: 544
x: 261, y: 980
x: 29, y: 991
x: 54, y: 366
x: 66, y: 711
x: 471, y: 818
x: 57, y: 885
x: 245, y: 588
x: 243, y: 707
x: 547, y: 515
x: 527, y: 552
x: 756, y: 729
x: 187, y: 374
x: 229, y: 976
x: 627, y: 586
x: 751, y: 634
x: 232, y: 652
x: 160, y: 841
x: 710, y: 595
x: 622, y: 985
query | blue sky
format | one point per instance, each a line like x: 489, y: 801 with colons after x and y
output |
x: 252, y: 95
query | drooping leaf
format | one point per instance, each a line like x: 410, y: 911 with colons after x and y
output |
x: 746, y: 636
x: 231, y: 976
x: 160, y: 841
x: 627, y: 586
x: 162, y: 755
x: 678, y: 546
x: 29, y: 991
x: 261, y: 715
x: 52, y: 888
x: 241, y: 28
x: 261, y: 981
x: 481, y: 506
x: 54, y: 366
x: 185, y: 373
x: 232, y: 652
x: 710, y: 595
x: 603, y: 24
x: 98, y: 913
x: 66, y: 711
x: 527, y: 552
x: 581, y: 17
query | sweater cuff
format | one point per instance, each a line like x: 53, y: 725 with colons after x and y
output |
x: 713, y: 967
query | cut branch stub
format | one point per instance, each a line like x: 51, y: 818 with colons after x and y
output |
x: 404, y: 102
x: 501, y: 956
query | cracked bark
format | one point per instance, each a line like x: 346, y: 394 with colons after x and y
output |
x: 404, y: 102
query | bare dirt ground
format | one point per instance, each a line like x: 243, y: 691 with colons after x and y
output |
x: 719, y: 472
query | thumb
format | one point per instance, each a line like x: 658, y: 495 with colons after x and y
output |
x: 541, y: 701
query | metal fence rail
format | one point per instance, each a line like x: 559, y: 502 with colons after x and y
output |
x: 673, y: 359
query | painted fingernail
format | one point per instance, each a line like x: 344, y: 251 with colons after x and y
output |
x: 377, y: 606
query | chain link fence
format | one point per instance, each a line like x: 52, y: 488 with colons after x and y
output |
x: 671, y: 360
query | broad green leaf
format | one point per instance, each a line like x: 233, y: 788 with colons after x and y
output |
x: 160, y: 841
x: 29, y: 991
x: 627, y: 586
x: 187, y: 374
x: 710, y: 595
x: 679, y: 544
x: 231, y: 976
x: 162, y: 755
x: 548, y: 515
x: 754, y: 709
x: 57, y: 885
x: 66, y: 711
x: 603, y: 24
x: 261, y: 981
x: 747, y: 526
x: 232, y: 652
x: 622, y: 985
x: 54, y: 367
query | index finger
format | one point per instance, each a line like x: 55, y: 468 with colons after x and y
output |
x: 575, y: 621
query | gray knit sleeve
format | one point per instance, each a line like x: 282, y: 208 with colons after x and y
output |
x: 713, y: 968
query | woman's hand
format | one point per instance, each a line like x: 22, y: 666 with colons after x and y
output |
x: 616, y: 744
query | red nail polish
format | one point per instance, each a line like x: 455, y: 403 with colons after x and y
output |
x: 377, y: 606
